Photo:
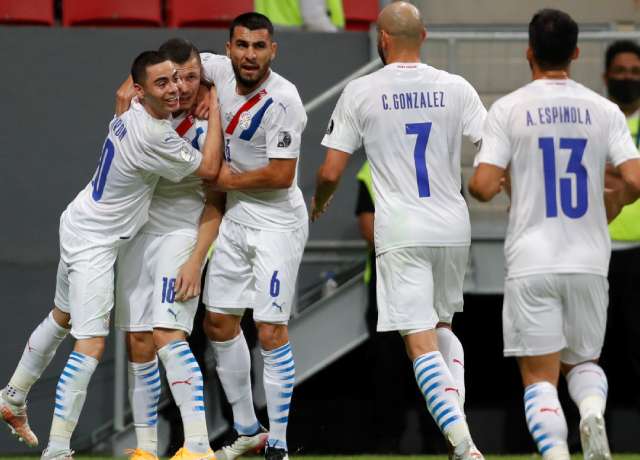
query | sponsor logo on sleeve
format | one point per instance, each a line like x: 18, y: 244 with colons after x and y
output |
x: 186, y: 153
x: 284, y: 139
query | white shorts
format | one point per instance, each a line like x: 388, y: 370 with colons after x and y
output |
x: 419, y: 286
x: 254, y: 268
x: 146, y: 273
x: 544, y: 314
x: 84, y: 284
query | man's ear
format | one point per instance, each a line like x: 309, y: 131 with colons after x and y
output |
x: 139, y: 91
x: 227, y: 47
x: 274, y: 50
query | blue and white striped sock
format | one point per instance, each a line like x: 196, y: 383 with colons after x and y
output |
x: 545, y: 420
x: 279, y: 378
x: 71, y: 393
x: 144, y: 394
x: 588, y: 388
x: 187, y: 388
x: 436, y: 384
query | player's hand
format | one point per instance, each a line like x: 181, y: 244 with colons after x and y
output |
x: 316, y: 212
x: 124, y: 95
x: 188, y: 281
x: 203, y: 102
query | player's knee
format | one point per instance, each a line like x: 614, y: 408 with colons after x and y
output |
x: 220, y: 328
x: 140, y: 346
x: 162, y: 337
x: 93, y: 346
x: 272, y: 336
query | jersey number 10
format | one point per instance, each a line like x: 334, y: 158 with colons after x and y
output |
x: 422, y: 130
x: 575, y: 167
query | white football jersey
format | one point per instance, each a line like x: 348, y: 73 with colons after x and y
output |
x: 138, y: 150
x: 176, y: 207
x: 555, y: 136
x: 411, y: 117
x: 265, y: 124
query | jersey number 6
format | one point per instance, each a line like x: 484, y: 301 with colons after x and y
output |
x: 422, y: 130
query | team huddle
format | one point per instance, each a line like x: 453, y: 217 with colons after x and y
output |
x: 205, y: 147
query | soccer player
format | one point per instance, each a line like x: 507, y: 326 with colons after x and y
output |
x: 141, y: 146
x: 410, y: 117
x: 158, y: 283
x: 263, y: 231
x: 553, y: 136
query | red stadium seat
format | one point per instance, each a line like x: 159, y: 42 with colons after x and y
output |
x: 144, y: 13
x: 359, y: 14
x: 205, y: 13
x: 33, y: 12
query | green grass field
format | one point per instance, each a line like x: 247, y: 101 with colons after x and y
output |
x: 374, y: 457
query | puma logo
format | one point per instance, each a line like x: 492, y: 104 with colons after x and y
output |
x: 175, y: 315
x: 186, y: 382
x: 274, y: 304
x: 452, y: 389
x: 457, y: 361
x: 550, y: 409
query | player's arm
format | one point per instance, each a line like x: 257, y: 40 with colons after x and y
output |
x: 327, y: 181
x: 365, y: 212
x: 124, y: 95
x: 487, y: 181
x: 278, y: 174
x: 212, y: 149
x: 625, y: 189
x: 190, y: 274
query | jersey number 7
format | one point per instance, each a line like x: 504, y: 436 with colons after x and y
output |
x: 422, y: 130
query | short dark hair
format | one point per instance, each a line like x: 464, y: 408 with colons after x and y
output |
x: 553, y: 37
x: 179, y: 50
x: 144, y: 60
x: 620, y: 46
x: 252, y: 21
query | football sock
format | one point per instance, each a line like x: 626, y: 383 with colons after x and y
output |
x: 144, y: 394
x: 441, y: 394
x: 278, y: 378
x: 37, y: 354
x: 187, y: 387
x: 588, y: 388
x: 234, y: 370
x: 71, y: 393
x: 453, y: 355
x: 546, y: 421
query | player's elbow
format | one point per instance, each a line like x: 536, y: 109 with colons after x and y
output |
x: 479, y: 191
x: 328, y: 176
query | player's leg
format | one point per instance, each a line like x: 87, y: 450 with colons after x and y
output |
x: 172, y: 322
x: 38, y: 353
x: 532, y: 322
x: 406, y: 304
x: 91, y: 284
x: 228, y: 290
x: 134, y: 289
x: 586, y: 316
x: 276, y: 263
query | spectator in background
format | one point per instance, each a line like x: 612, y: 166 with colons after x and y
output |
x: 313, y: 15
x: 622, y: 77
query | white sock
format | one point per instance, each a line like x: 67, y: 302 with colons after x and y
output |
x: 37, y: 354
x: 440, y: 392
x: 588, y: 388
x: 545, y: 420
x: 278, y: 378
x: 187, y: 387
x: 234, y: 370
x: 144, y: 394
x: 453, y: 355
x: 71, y: 393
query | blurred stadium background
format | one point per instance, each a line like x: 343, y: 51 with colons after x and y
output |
x: 58, y: 80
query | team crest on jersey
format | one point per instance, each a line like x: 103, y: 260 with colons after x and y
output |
x: 228, y: 116
x: 245, y: 120
x: 284, y: 139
